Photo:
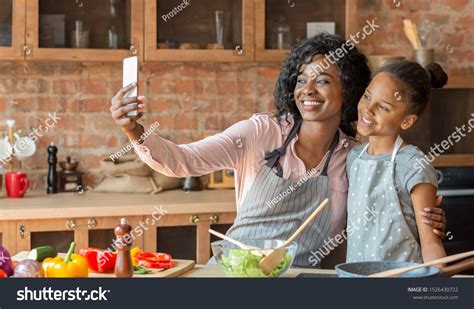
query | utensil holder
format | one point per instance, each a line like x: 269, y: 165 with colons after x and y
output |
x: 424, y: 56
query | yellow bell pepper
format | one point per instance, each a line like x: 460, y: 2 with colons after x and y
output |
x: 133, y: 253
x: 72, y: 266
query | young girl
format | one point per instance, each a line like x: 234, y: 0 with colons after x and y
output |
x: 387, y: 195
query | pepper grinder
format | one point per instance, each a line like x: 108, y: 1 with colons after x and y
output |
x: 123, y: 265
x: 52, y: 173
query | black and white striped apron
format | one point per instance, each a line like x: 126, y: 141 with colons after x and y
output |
x: 258, y: 218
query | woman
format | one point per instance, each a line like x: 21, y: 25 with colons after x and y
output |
x: 316, y: 103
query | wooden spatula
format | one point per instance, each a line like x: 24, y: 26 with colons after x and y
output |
x: 410, y: 33
x: 274, y: 258
x: 399, y: 271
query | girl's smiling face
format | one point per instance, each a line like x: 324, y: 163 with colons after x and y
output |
x: 382, y: 109
x: 318, y: 95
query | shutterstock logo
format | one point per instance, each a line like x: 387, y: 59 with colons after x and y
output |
x: 49, y: 294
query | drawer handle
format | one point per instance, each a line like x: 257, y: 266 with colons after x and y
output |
x: 71, y: 224
x: 195, y: 219
x: 22, y: 231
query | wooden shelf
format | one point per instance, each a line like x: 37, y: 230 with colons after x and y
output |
x: 460, y: 82
x: 461, y: 160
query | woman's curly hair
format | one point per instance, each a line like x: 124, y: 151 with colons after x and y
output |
x: 354, y: 74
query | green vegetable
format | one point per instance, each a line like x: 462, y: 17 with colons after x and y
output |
x: 41, y: 253
x: 140, y: 270
x: 242, y: 263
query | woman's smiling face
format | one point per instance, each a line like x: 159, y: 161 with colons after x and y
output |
x: 382, y: 110
x: 318, y: 93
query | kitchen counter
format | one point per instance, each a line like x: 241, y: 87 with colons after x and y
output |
x: 89, y: 220
x: 43, y: 206
x: 215, y: 271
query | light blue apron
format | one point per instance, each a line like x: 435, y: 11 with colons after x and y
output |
x: 377, y: 229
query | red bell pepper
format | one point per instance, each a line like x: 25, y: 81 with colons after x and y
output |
x: 151, y: 264
x: 99, y: 260
x: 154, y: 260
x: 3, y: 274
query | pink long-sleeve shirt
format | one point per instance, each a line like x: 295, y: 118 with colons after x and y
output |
x: 242, y: 147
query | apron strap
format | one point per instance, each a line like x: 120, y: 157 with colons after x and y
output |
x: 398, y: 144
x: 363, y: 150
x: 331, y: 151
x: 396, y: 148
x: 272, y: 157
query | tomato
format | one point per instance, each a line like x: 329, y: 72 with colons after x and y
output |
x: 3, y: 274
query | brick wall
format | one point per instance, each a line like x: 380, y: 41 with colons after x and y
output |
x: 191, y: 100
x: 453, y: 18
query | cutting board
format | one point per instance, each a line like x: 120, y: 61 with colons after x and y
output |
x: 181, y: 267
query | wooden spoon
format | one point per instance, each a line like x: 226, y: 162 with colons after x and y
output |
x: 254, y: 250
x: 409, y: 32
x: 399, y: 271
x: 417, y: 36
x: 231, y: 240
x: 272, y: 260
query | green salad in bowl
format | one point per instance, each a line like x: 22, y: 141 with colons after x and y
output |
x: 237, y: 262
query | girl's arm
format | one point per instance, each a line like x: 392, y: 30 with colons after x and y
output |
x: 424, y: 195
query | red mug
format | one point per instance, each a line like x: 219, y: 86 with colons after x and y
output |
x: 16, y: 184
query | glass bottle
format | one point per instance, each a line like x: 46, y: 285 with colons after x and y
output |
x: 281, y: 34
x: 115, y: 34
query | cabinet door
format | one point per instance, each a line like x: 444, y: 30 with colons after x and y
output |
x: 206, y: 30
x: 101, y: 30
x: 280, y: 24
x: 12, y: 29
x: 85, y: 232
x: 36, y: 233
x: 186, y: 236
x: 8, y: 236
x: 101, y: 235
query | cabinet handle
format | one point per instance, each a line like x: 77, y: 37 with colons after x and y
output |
x: 22, y: 231
x: 238, y: 51
x: 133, y: 49
x: 26, y: 50
x: 195, y: 219
x: 71, y: 224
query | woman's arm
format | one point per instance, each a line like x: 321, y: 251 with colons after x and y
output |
x: 224, y: 150
x: 431, y: 246
x: 221, y: 151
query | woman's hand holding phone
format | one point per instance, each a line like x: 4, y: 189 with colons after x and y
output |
x: 121, y: 106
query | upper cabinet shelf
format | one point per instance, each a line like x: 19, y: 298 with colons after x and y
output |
x: 173, y: 30
x: 282, y: 23
x: 208, y: 30
x: 12, y: 29
x: 100, y: 30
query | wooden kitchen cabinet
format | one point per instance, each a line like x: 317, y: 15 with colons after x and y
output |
x: 172, y: 221
x: 12, y: 29
x: 85, y: 232
x: 186, y: 236
x: 271, y: 14
x: 108, y: 30
x: 194, y: 26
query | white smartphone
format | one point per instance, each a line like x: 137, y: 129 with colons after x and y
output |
x: 130, y: 75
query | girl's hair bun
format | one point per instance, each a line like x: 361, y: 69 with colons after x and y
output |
x: 438, y: 76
